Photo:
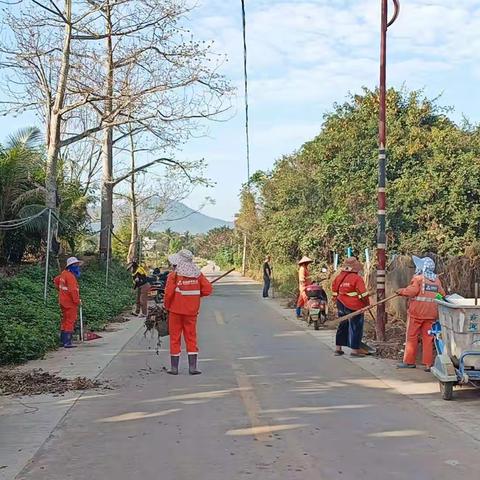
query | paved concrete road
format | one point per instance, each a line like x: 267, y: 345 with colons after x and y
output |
x: 273, y: 403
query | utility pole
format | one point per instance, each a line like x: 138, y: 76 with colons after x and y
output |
x: 244, y: 256
x: 382, y: 160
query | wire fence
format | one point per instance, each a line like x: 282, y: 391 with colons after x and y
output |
x: 52, y: 218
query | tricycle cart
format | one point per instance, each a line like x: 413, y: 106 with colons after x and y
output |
x: 457, y: 340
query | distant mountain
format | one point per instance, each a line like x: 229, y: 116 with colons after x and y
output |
x: 181, y: 219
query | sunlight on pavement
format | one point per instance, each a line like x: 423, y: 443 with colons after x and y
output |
x: 317, y: 409
x: 294, y: 333
x: 262, y: 430
x: 197, y: 396
x: 369, y: 383
x: 127, y: 417
x: 69, y: 401
x: 398, y: 434
x: 260, y: 357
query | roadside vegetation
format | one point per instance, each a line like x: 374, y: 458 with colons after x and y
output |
x: 29, y: 328
x: 321, y: 199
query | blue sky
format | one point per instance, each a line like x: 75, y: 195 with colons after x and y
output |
x: 305, y: 55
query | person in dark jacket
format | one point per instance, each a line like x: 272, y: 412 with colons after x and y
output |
x: 267, y: 276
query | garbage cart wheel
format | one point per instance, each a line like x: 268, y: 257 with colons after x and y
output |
x: 446, y: 389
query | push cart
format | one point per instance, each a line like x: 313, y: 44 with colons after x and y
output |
x: 457, y: 340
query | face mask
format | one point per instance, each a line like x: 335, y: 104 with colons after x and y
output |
x: 75, y: 269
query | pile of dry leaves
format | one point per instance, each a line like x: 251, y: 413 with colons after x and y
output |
x: 37, y: 382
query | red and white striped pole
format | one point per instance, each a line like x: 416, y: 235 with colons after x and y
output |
x: 382, y: 160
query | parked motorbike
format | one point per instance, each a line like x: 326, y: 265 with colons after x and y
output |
x: 315, y: 309
x: 157, y: 286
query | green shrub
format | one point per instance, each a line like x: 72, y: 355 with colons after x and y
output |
x: 29, y: 328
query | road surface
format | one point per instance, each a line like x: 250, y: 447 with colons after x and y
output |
x: 272, y: 403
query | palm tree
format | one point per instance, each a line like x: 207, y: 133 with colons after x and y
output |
x: 21, y: 165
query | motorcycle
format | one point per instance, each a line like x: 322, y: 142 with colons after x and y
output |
x: 315, y: 309
x: 157, y: 286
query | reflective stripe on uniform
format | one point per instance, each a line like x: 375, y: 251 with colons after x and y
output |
x: 424, y: 299
x: 188, y: 293
x: 352, y: 294
x: 363, y: 295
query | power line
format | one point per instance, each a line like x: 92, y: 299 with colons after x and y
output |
x: 245, y: 75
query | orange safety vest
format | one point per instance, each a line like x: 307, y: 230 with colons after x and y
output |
x: 182, y: 294
x: 68, y: 292
x: 422, y: 293
x: 303, y: 278
x: 349, y: 288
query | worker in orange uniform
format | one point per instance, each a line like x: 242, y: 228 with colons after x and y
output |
x: 303, y: 282
x: 186, y: 285
x: 351, y: 295
x: 422, y: 312
x: 69, y: 298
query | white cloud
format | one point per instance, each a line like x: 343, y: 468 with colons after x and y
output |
x: 305, y: 55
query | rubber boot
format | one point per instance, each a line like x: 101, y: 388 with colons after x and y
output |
x: 63, y: 338
x: 299, y: 312
x: 68, y: 340
x: 174, y: 361
x: 192, y: 364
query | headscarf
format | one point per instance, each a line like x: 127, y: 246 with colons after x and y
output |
x: 75, y: 269
x: 425, y: 266
x: 183, y: 260
x: 73, y: 266
x: 351, y: 264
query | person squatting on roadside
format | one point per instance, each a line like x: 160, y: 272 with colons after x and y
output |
x: 422, y: 312
x: 351, y: 295
x: 142, y: 287
x: 69, y: 299
x: 186, y: 285
x: 267, y: 276
x: 303, y: 282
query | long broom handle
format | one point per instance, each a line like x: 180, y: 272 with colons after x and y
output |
x: 367, y: 308
x: 221, y: 276
x: 81, y: 324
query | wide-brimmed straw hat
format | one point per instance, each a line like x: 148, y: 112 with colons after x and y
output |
x: 73, y: 261
x: 352, y: 264
x: 183, y: 261
x: 305, y: 260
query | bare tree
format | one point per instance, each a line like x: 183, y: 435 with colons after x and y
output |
x: 104, y: 64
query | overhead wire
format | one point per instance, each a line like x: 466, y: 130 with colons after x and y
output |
x: 245, y: 78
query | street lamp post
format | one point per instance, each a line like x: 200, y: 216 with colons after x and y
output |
x: 382, y: 157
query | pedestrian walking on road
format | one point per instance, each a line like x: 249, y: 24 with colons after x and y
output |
x: 303, y: 282
x: 186, y: 285
x: 142, y: 286
x: 69, y: 299
x: 267, y: 276
x: 422, y: 312
x: 351, y: 295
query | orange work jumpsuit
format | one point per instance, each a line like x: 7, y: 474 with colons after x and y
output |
x: 182, y: 300
x: 303, y: 282
x: 422, y: 313
x: 68, y: 298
